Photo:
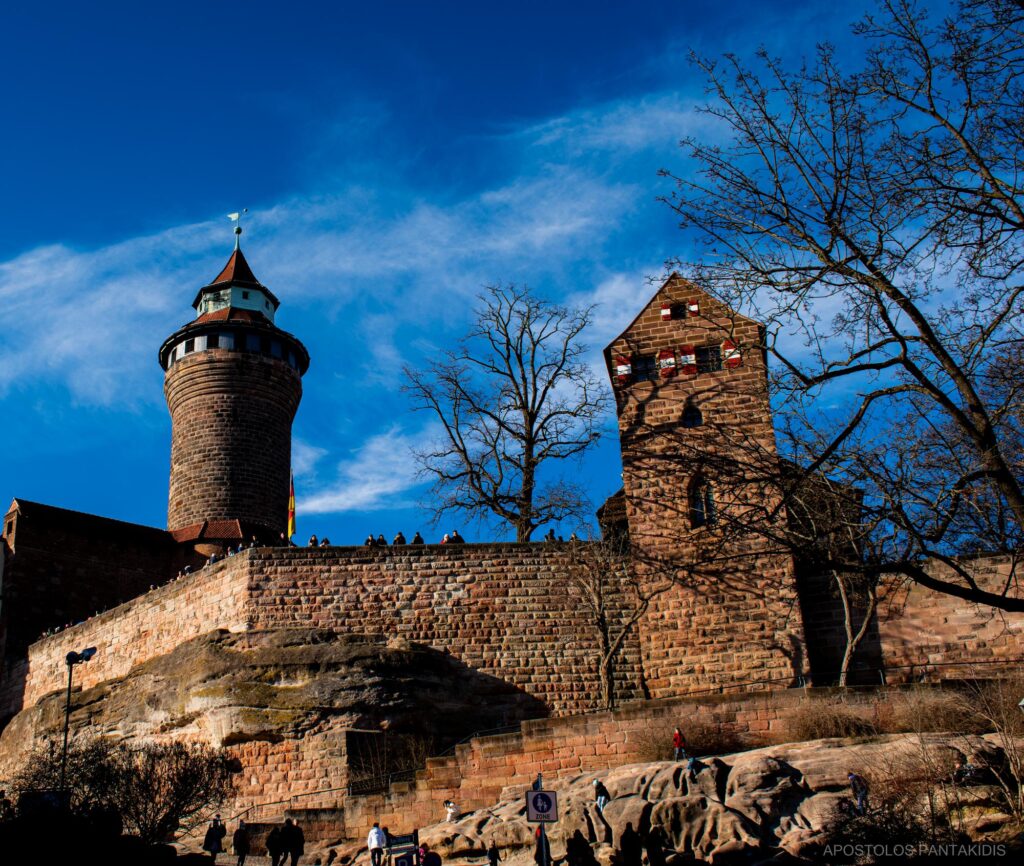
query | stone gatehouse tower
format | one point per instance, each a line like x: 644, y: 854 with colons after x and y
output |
x: 700, y: 494
x: 233, y: 382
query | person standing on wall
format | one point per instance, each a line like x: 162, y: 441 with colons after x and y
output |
x: 375, y: 843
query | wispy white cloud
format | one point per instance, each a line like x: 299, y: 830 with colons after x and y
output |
x: 379, y: 474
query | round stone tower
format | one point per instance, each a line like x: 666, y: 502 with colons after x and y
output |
x: 233, y: 381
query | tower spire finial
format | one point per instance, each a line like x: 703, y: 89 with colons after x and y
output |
x: 236, y: 218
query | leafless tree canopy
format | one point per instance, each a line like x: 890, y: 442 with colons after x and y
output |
x: 156, y: 789
x: 873, y: 218
x: 512, y: 399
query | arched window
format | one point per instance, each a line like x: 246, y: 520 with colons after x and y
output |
x: 702, y: 503
x: 692, y: 416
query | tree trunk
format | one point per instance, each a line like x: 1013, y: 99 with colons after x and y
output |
x: 853, y: 639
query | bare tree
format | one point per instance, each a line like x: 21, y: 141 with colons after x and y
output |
x: 874, y: 220
x: 158, y: 789
x: 513, y: 398
x: 614, y: 595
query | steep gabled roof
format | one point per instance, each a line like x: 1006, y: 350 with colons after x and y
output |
x: 685, y: 284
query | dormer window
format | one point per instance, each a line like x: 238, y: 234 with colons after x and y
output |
x: 245, y: 296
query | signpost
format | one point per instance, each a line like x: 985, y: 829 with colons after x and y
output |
x: 541, y: 808
x: 404, y: 850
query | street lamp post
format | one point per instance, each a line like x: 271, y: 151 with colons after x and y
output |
x: 71, y: 659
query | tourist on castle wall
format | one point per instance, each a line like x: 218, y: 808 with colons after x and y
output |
x: 325, y: 542
x: 240, y: 843
x: 601, y: 795
x: 456, y: 538
x: 399, y: 539
x: 369, y: 542
x: 445, y: 539
x: 213, y: 842
x: 451, y: 811
x: 375, y: 842
x: 382, y: 541
x: 293, y: 840
x: 274, y: 846
x: 313, y: 542
x: 418, y: 539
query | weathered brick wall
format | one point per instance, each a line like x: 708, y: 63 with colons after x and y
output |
x: 62, y: 566
x: 736, y: 617
x: 148, y: 626
x: 920, y: 627
x: 503, y: 609
x: 231, y: 416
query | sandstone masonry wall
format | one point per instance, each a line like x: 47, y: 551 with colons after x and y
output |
x: 231, y: 417
x: 919, y: 628
x: 503, y: 609
x: 147, y: 626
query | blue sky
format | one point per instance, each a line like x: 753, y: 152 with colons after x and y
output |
x: 395, y: 157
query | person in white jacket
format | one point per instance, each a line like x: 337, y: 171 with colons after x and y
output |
x: 375, y: 841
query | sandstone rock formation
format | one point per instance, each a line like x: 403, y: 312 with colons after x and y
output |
x: 748, y: 807
x: 229, y: 689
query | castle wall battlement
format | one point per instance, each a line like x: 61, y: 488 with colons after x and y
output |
x: 504, y: 609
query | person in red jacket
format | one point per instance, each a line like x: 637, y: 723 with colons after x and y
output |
x: 679, y: 745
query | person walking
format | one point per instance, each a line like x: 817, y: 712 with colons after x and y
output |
x: 859, y: 787
x: 493, y: 854
x: 293, y: 841
x: 375, y: 844
x: 213, y: 841
x: 240, y: 843
x: 274, y: 847
x: 601, y: 795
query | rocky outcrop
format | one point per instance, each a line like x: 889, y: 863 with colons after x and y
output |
x: 749, y: 807
x: 228, y: 689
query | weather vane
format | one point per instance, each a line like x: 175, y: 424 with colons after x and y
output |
x: 236, y: 218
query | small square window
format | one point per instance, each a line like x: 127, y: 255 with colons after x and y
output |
x: 190, y: 346
x: 709, y: 359
x: 212, y: 341
x: 245, y: 296
x: 645, y: 368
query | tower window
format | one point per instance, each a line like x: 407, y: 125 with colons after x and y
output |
x: 692, y: 416
x: 709, y: 359
x: 245, y: 296
x: 212, y: 341
x: 645, y: 368
x: 702, y: 503
x: 275, y: 349
x: 190, y: 346
x: 252, y: 342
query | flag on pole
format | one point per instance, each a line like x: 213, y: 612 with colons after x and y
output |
x: 291, y: 505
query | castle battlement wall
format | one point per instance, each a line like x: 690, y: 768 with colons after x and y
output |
x: 503, y: 609
x: 147, y: 626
